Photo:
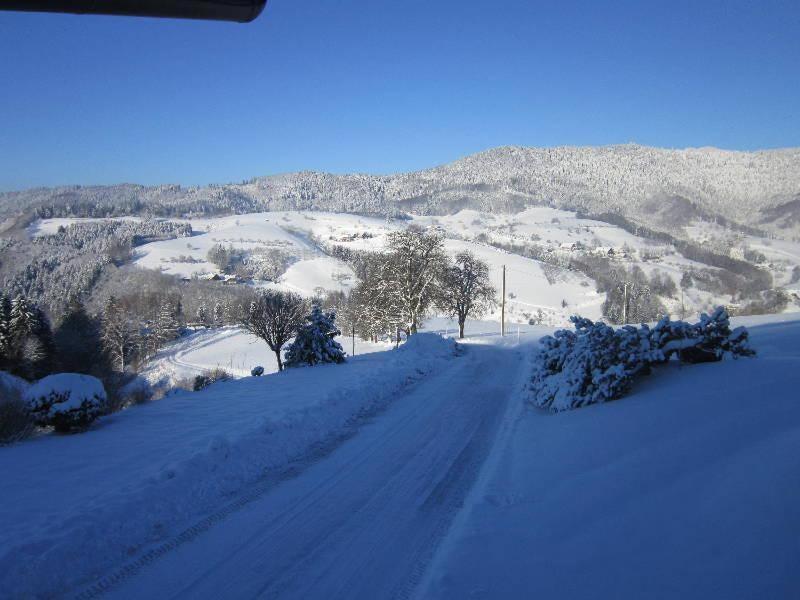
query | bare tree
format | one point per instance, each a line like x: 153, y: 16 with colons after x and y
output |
x: 409, y: 273
x: 275, y: 317
x: 465, y: 290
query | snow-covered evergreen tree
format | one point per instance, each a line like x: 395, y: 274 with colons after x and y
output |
x: 202, y: 316
x: 5, y: 327
x: 120, y: 336
x: 315, y: 341
x: 78, y: 342
x: 22, y: 319
x: 167, y: 325
x: 219, y: 315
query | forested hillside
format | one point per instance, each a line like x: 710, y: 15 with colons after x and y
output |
x: 654, y: 186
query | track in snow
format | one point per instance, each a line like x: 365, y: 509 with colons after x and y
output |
x: 364, y: 521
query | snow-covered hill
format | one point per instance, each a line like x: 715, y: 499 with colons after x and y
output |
x: 347, y: 477
x: 651, y: 185
x: 542, y: 292
x: 686, y: 488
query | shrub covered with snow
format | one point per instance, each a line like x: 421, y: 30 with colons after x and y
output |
x: 257, y: 371
x: 596, y: 363
x: 66, y: 401
x: 206, y: 378
x: 314, y: 342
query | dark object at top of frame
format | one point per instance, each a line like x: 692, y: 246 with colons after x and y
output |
x: 242, y: 11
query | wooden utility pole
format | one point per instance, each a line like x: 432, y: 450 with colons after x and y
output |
x: 354, y: 340
x: 503, y: 306
x: 625, y: 303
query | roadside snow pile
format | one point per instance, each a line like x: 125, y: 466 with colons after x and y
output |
x: 11, y: 384
x: 428, y: 344
x: 15, y: 419
x: 597, y: 363
x: 151, y: 471
x: 66, y: 401
x: 690, y: 489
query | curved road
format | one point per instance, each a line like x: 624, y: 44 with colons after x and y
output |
x: 364, y: 521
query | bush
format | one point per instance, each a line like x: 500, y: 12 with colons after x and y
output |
x: 67, y: 401
x: 208, y: 377
x: 257, y: 371
x: 596, y: 363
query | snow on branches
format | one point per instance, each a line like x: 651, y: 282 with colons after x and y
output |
x: 596, y: 363
x: 314, y: 342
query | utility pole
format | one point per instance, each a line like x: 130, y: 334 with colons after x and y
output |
x: 625, y: 303
x: 353, y: 325
x: 503, y: 306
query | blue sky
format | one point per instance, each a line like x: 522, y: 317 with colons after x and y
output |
x: 378, y: 86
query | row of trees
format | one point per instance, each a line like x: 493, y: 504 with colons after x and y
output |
x: 397, y: 289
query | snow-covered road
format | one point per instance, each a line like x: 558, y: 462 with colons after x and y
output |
x: 364, y: 521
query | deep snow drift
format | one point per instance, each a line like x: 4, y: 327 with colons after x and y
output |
x: 686, y: 488
x: 76, y: 505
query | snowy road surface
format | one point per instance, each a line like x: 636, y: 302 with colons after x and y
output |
x: 364, y: 521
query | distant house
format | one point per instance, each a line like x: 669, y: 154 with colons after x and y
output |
x: 604, y: 251
x: 736, y: 252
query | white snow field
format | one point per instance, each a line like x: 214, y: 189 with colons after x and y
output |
x: 238, y: 351
x: 544, y: 293
x: 686, y: 488
x: 420, y: 473
x: 75, y: 506
x: 230, y: 348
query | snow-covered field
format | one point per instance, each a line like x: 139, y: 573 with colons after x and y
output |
x: 76, y: 505
x: 238, y: 351
x: 530, y: 293
x: 687, y: 488
x: 230, y: 348
x: 544, y: 293
x: 348, y: 481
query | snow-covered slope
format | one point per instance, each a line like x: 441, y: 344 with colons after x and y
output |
x: 686, y: 488
x: 75, y: 505
x: 756, y: 188
x: 541, y: 292
x: 229, y: 348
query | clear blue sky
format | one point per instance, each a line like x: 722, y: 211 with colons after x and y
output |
x: 378, y: 86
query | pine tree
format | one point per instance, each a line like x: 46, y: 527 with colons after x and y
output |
x: 22, y: 319
x: 315, y: 341
x: 219, y: 315
x: 78, y: 342
x: 202, y: 316
x: 119, y: 336
x: 5, y: 328
x: 167, y: 326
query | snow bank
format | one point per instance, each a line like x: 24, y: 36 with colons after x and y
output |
x: 689, y: 488
x: 144, y: 474
x: 11, y: 383
x: 428, y: 344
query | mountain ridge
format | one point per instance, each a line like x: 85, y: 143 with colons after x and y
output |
x: 754, y: 188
